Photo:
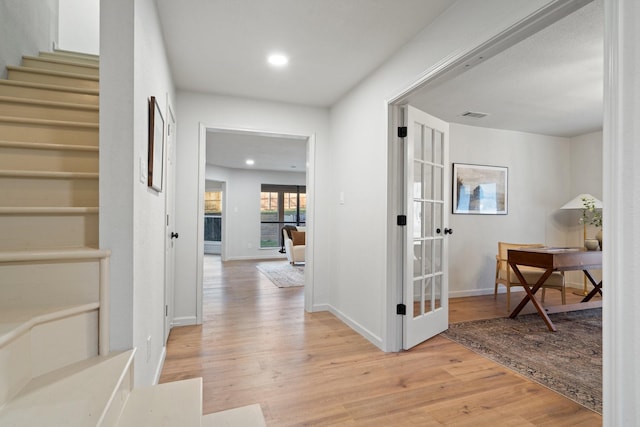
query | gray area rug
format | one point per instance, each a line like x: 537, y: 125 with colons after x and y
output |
x: 568, y: 361
x: 283, y: 275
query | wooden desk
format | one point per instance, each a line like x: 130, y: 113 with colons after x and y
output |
x: 552, y: 259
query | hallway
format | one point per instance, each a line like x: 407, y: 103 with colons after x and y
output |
x: 257, y: 345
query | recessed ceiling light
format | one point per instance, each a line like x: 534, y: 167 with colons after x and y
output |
x: 250, y: 162
x: 278, y: 60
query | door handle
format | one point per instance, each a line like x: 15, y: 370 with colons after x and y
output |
x: 448, y: 231
x: 438, y: 230
x: 174, y: 235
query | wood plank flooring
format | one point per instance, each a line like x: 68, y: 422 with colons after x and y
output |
x: 257, y: 345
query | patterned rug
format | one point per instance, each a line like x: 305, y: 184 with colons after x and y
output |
x: 568, y: 361
x: 283, y: 274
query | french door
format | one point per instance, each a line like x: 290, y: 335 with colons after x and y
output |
x: 426, y: 178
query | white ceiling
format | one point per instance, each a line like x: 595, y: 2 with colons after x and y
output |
x: 550, y: 83
x: 270, y: 152
x: 221, y: 46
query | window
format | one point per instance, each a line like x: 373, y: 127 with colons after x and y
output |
x: 213, y: 216
x: 280, y: 205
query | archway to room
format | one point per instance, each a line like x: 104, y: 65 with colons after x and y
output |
x: 238, y: 164
x: 442, y: 92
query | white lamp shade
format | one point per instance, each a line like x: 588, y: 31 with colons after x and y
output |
x: 577, y: 203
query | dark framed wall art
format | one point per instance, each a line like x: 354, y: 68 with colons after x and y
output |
x: 156, y: 146
x: 479, y: 189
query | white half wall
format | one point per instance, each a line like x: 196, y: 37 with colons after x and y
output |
x: 79, y: 26
x: 134, y: 67
x: 224, y: 112
x: 26, y: 28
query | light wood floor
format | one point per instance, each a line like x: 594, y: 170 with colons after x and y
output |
x: 257, y: 345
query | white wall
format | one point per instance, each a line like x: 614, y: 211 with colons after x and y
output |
x: 134, y: 67
x: 26, y: 28
x: 79, y: 26
x: 238, y: 113
x: 242, y: 214
x: 586, y: 177
x: 538, y: 184
x: 359, y: 159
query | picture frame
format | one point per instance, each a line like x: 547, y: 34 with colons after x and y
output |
x: 156, y: 146
x: 480, y: 189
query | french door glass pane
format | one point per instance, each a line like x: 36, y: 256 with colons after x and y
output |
x: 418, y: 297
x: 428, y: 289
x: 437, y: 259
x: 437, y: 284
x: 428, y: 145
x: 437, y: 179
x: 427, y: 212
x: 427, y: 184
x: 417, y: 142
x: 417, y: 219
x: 417, y: 181
x: 417, y: 259
x: 438, y: 148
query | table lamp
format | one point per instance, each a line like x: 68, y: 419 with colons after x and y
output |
x: 578, y: 203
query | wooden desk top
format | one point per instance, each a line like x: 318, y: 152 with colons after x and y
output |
x: 560, y: 259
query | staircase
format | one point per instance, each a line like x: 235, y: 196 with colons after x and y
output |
x: 56, y: 368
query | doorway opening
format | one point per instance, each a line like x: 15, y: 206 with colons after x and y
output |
x: 238, y: 163
x: 439, y: 80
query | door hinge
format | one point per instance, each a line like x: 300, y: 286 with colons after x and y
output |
x: 166, y: 310
x: 402, y: 131
x: 402, y: 220
x: 401, y: 309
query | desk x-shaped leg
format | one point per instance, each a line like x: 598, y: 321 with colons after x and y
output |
x: 530, y: 296
x: 597, y: 287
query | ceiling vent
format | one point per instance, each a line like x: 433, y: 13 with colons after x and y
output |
x: 473, y: 114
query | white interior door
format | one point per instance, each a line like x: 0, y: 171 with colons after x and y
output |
x: 170, y: 233
x: 425, y: 265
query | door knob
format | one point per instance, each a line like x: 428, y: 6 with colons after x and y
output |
x: 448, y: 231
x: 438, y: 230
x: 174, y: 235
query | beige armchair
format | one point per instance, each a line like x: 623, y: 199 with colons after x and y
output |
x: 295, y: 244
x: 505, y: 275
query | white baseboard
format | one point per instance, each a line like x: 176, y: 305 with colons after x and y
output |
x: 163, y: 355
x: 501, y: 290
x: 320, y: 307
x: 273, y: 256
x: 184, y: 321
x: 374, y: 339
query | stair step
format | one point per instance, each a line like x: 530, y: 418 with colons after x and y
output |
x: 38, y: 174
x: 176, y: 403
x: 61, y: 64
x: 36, y: 75
x: 48, y: 131
x: 28, y: 159
x: 44, y: 283
x: 37, y: 340
x: 48, y: 189
x: 72, y: 56
x: 38, y: 232
x: 89, y: 393
x: 80, y: 253
x: 245, y: 416
x: 48, y: 110
x: 45, y: 146
x: 47, y: 210
x: 49, y: 92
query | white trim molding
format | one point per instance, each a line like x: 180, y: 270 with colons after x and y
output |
x: 621, y: 207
